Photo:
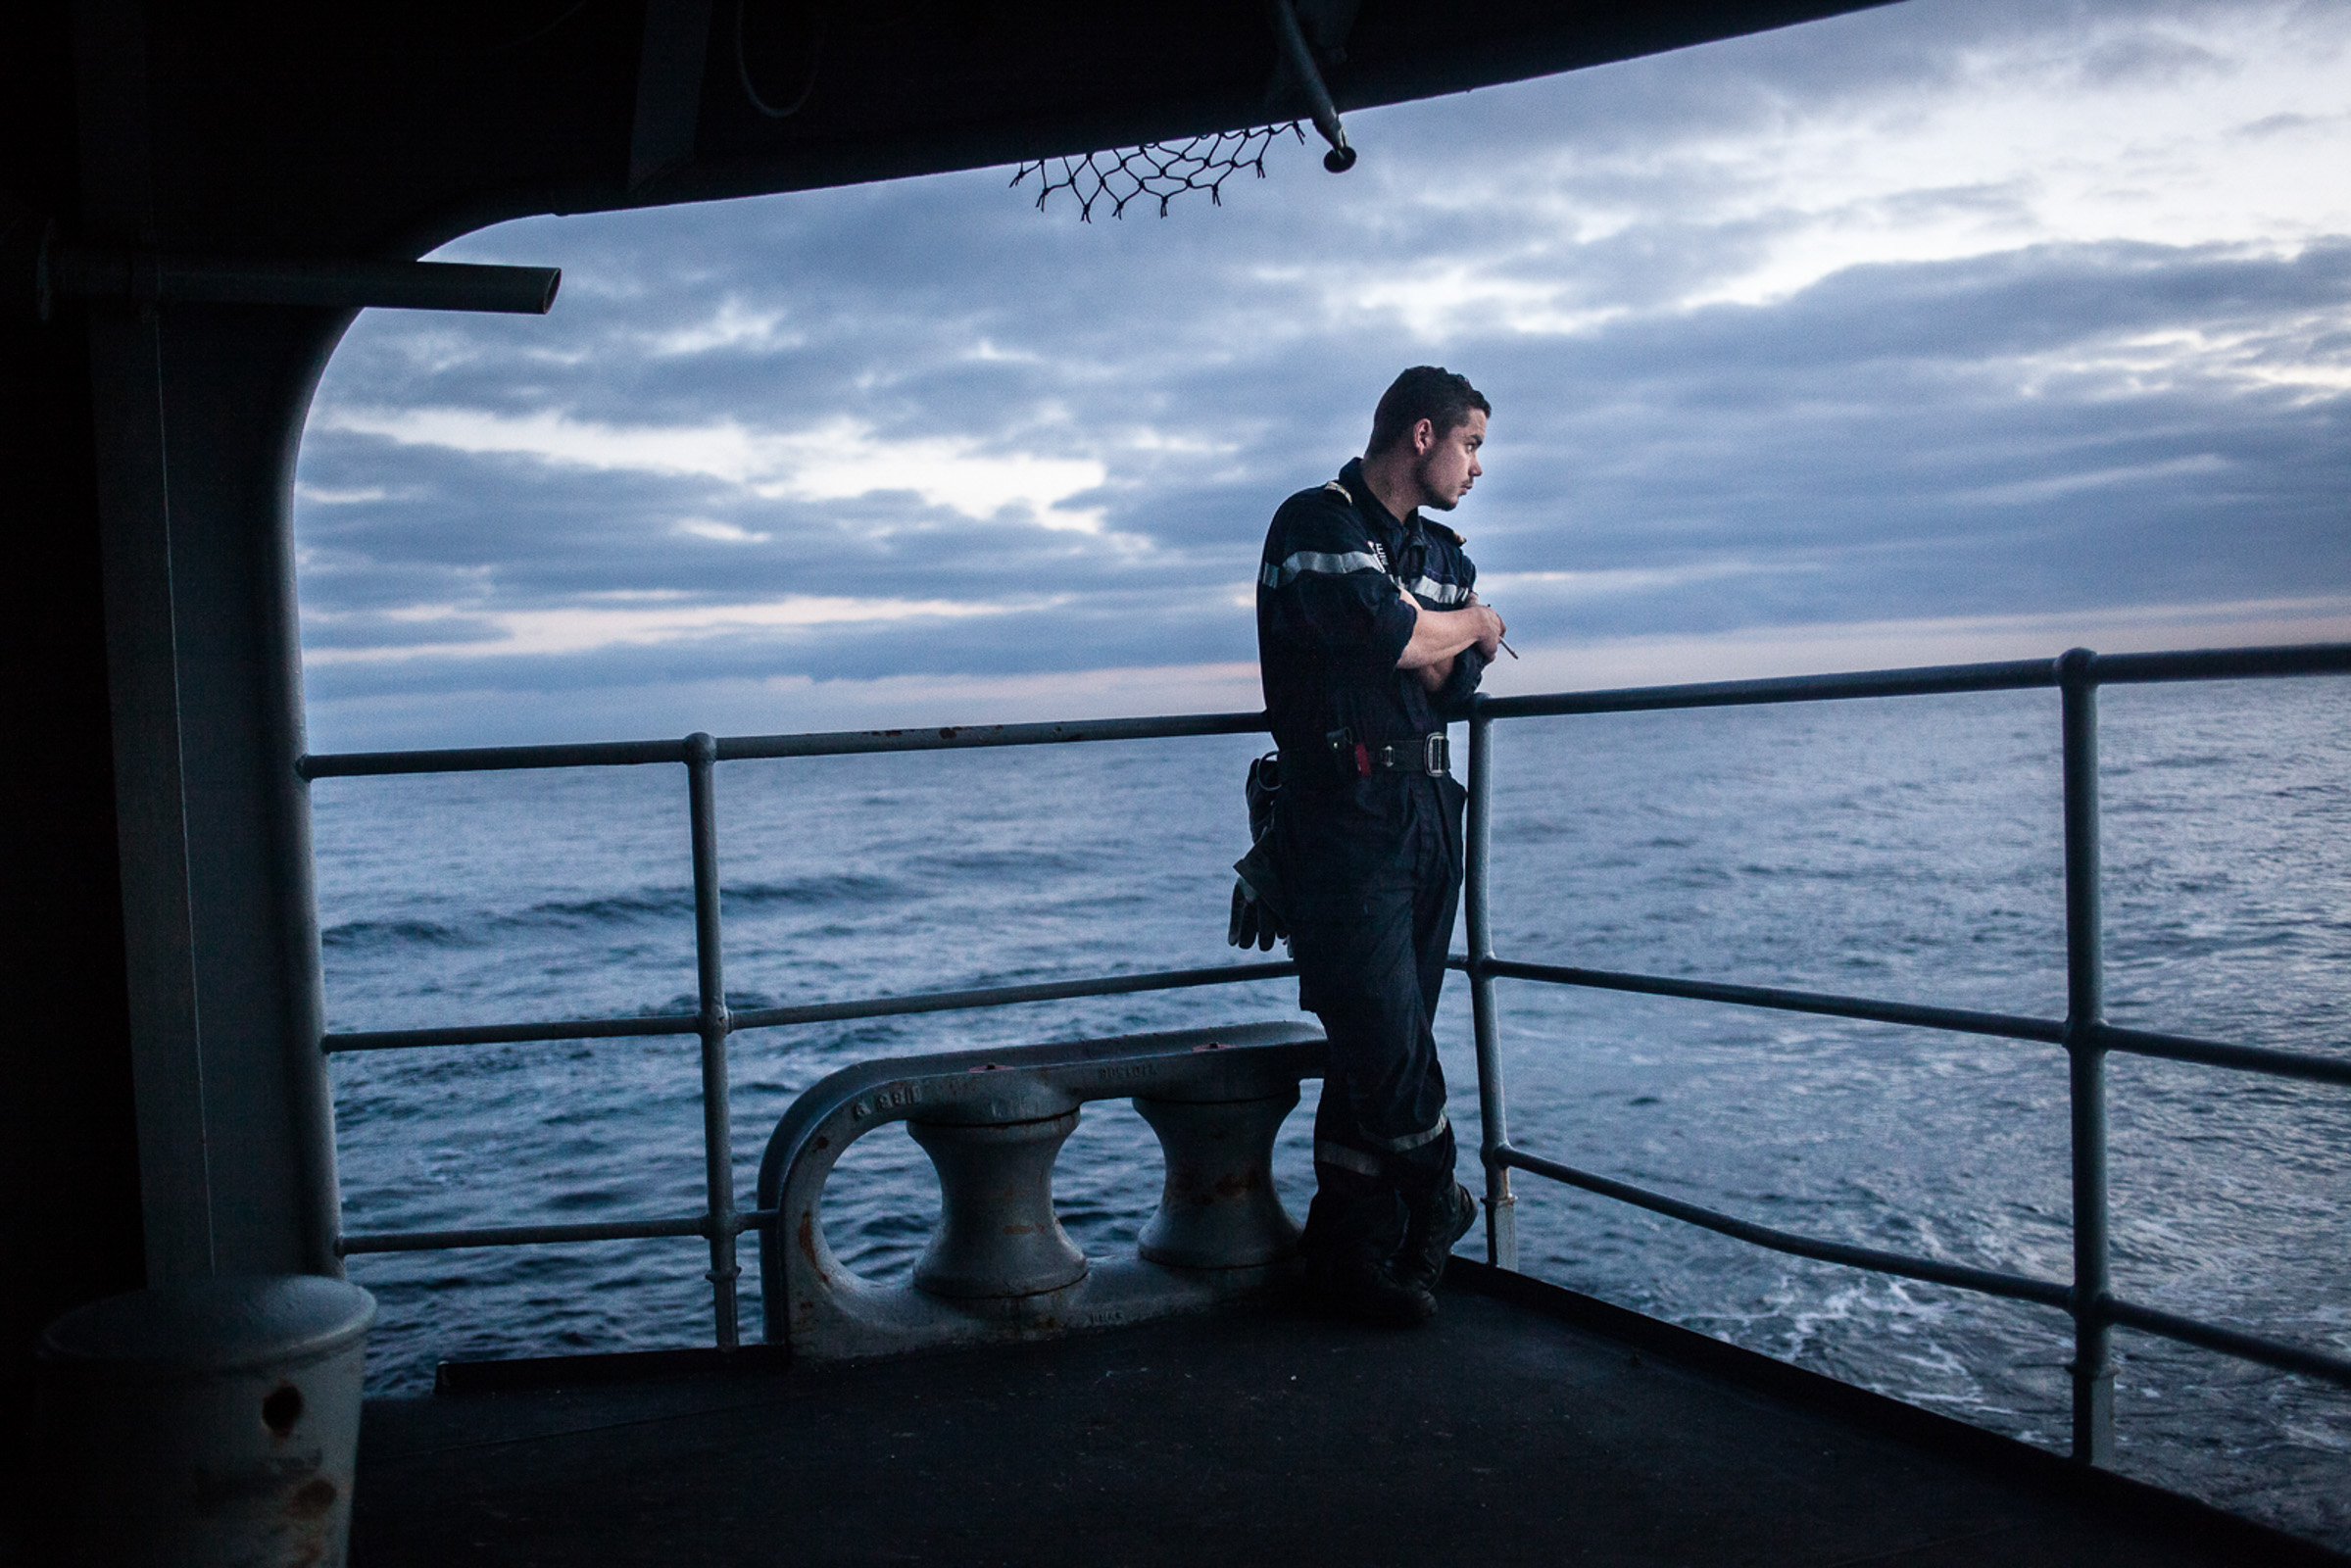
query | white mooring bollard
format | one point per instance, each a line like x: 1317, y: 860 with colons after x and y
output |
x: 209, y: 1423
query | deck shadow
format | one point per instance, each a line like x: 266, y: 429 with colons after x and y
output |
x: 1528, y: 1426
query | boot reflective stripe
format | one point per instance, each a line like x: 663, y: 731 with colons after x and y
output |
x: 1318, y: 561
x: 1411, y: 1141
x: 1346, y: 1159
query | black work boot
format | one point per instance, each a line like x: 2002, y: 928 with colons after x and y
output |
x: 1434, y: 1221
x: 1354, y: 1231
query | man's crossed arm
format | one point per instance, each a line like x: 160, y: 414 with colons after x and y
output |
x: 1439, y: 634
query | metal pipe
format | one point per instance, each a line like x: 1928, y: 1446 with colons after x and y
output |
x: 710, y: 979
x: 745, y: 748
x: 968, y: 737
x: 2021, y: 675
x: 620, y: 1230
x: 148, y: 277
x: 681, y: 1023
x: 2086, y: 1051
x: 1502, y: 1208
x: 2051, y: 1031
x: 2224, y: 663
x: 1959, y: 1020
x: 2018, y: 674
x: 2011, y: 675
x: 624, y: 1229
x: 296, y: 880
x: 2228, y: 1342
x: 1308, y: 77
x: 490, y: 759
x: 506, y: 1034
x: 2214, y: 1053
x: 1009, y: 996
x: 1992, y: 1282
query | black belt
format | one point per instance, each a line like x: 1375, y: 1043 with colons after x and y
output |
x: 1432, y: 754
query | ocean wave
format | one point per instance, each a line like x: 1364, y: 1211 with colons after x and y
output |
x: 613, y: 909
x: 808, y: 891
x: 394, y: 933
x: 1007, y: 864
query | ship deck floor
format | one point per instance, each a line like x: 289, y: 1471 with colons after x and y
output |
x: 1527, y: 1426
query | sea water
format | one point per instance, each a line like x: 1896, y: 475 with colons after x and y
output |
x: 1905, y: 849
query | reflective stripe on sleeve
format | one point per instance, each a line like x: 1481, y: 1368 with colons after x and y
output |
x: 1316, y: 560
x: 1443, y: 593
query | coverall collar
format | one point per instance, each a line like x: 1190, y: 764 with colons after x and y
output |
x: 1390, y: 530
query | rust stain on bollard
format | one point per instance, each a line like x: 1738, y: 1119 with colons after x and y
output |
x: 807, y: 1239
x: 313, y: 1498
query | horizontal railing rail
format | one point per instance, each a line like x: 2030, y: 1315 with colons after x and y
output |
x: 2228, y: 1342
x: 2218, y: 1053
x: 613, y: 1230
x: 1959, y: 1020
x: 1989, y: 1282
x: 751, y: 748
x: 2016, y: 674
x: 1992, y: 1282
x: 919, y: 1002
x: 2009, y: 675
x: 2083, y: 1034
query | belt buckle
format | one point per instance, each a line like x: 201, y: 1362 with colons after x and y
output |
x: 1436, y: 753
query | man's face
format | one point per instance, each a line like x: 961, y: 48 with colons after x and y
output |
x: 1449, y: 463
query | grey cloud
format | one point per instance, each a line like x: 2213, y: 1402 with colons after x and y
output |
x: 2148, y: 59
x: 1875, y: 416
x: 370, y: 631
x: 1107, y: 632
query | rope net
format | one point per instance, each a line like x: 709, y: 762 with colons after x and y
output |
x: 1157, y: 172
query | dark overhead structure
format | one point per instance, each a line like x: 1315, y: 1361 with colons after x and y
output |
x: 193, y: 200
x: 385, y: 129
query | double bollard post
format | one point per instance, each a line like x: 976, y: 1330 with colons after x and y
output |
x: 1000, y: 1266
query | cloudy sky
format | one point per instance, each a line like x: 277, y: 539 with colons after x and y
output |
x: 1964, y: 328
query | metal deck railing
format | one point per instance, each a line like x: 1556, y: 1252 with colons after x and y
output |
x: 2084, y: 1033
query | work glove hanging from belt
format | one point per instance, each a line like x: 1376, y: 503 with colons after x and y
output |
x: 1258, y: 896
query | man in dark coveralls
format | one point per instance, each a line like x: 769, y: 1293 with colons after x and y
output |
x: 1369, y: 637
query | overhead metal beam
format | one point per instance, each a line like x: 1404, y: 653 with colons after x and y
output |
x: 142, y: 277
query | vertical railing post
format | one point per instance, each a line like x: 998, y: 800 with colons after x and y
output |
x: 2085, y: 1011
x: 1501, y: 1211
x: 717, y: 1139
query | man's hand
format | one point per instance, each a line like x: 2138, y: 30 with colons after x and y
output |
x: 1440, y: 634
x: 1492, y: 642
